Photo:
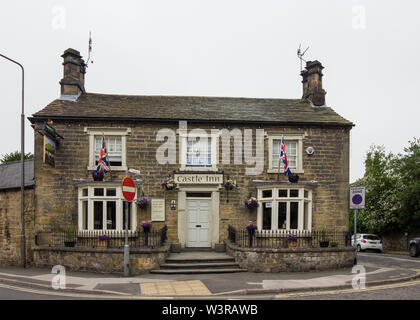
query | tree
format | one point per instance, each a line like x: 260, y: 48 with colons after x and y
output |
x: 382, y: 182
x: 409, y: 194
x: 14, y: 156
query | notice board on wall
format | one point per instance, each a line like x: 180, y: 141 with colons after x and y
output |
x: 158, y: 210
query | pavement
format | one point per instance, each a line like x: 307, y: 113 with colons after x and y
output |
x: 380, y: 269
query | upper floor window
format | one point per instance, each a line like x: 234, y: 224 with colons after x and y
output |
x: 115, y: 140
x: 198, y: 152
x: 293, y: 145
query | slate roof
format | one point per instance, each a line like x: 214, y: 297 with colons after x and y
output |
x: 191, y: 108
x: 10, y: 174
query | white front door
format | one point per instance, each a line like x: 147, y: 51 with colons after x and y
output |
x: 198, y: 223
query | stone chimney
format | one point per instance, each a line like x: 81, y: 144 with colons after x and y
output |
x: 73, y: 82
x: 312, y: 83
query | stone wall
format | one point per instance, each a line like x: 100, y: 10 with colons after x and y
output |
x: 291, y: 260
x: 100, y: 260
x: 10, y: 226
x: 56, y: 194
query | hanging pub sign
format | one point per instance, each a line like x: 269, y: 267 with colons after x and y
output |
x: 49, y: 150
x: 51, y: 141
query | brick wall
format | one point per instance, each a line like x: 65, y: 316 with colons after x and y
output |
x: 56, y: 195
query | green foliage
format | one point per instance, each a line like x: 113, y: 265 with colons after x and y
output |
x: 70, y: 232
x: 392, y: 185
x: 334, y: 244
x: 14, y: 156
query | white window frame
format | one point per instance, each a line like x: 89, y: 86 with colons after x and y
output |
x: 214, y: 145
x: 94, y: 132
x: 299, y: 153
x: 118, y: 198
x: 275, y: 199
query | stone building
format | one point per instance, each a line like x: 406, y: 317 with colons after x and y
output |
x: 10, y: 213
x: 201, y: 142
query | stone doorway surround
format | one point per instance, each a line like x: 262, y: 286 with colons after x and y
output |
x: 214, y: 211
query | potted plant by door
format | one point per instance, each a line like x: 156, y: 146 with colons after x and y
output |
x: 103, y: 241
x: 146, y: 229
x: 251, y: 231
x: 324, y: 240
x: 292, y: 241
x: 70, y: 236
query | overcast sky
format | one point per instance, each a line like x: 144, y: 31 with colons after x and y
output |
x: 370, y: 50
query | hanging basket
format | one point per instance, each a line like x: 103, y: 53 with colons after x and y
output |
x: 293, y: 177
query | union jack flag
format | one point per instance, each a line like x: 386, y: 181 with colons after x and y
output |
x: 103, y: 162
x: 283, y: 157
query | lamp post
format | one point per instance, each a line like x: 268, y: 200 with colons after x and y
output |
x: 22, y: 160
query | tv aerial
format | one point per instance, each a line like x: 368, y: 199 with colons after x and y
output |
x: 300, y: 54
x: 90, y: 50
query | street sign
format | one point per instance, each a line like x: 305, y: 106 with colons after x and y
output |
x: 357, y: 197
x: 128, y: 189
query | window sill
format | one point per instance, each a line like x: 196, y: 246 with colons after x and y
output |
x: 204, y: 169
x: 115, y: 168
x: 282, y: 172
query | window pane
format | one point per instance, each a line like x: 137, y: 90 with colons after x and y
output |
x: 129, y: 215
x: 294, y: 193
x: 111, y: 215
x: 306, y: 194
x: 291, y: 153
x: 283, y: 193
x: 267, y: 193
x: 111, y: 192
x: 294, y: 208
x: 85, y: 192
x: 84, y: 215
x: 98, y: 207
x: 267, y: 216
x: 98, y: 192
x: 306, y: 216
x: 199, y: 152
x: 113, y: 146
x: 282, y: 215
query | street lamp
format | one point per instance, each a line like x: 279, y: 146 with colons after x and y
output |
x: 126, y: 245
x: 22, y: 160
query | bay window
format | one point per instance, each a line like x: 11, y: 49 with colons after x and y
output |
x: 284, y: 208
x: 102, y: 208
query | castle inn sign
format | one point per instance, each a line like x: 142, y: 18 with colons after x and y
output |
x: 187, y: 178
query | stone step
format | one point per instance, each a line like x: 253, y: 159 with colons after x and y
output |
x: 197, y: 271
x: 199, y: 260
x: 216, y: 265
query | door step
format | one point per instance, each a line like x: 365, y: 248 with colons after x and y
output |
x: 198, y: 263
x: 197, y: 271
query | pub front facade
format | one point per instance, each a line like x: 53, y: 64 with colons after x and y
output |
x: 197, y: 145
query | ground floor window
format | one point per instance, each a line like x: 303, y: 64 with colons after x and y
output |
x: 284, y: 208
x: 102, y: 208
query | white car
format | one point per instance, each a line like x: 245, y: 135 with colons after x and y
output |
x: 367, y: 241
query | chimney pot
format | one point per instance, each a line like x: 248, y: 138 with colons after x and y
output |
x: 73, y: 82
x: 312, y: 83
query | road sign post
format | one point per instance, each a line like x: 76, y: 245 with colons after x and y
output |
x: 129, y: 192
x: 357, y: 201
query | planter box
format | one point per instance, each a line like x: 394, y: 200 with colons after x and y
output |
x: 292, y: 244
x: 69, y: 243
x: 102, y: 244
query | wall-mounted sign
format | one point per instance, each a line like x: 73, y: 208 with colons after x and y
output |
x: 158, y: 209
x: 49, y: 151
x: 198, y: 178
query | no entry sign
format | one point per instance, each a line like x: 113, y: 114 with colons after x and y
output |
x: 128, y: 189
x: 357, y: 197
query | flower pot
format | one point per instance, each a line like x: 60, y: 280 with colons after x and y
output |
x: 102, y: 244
x: 69, y: 243
x: 292, y: 244
x: 293, y: 178
x: 324, y: 244
x: 169, y: 186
